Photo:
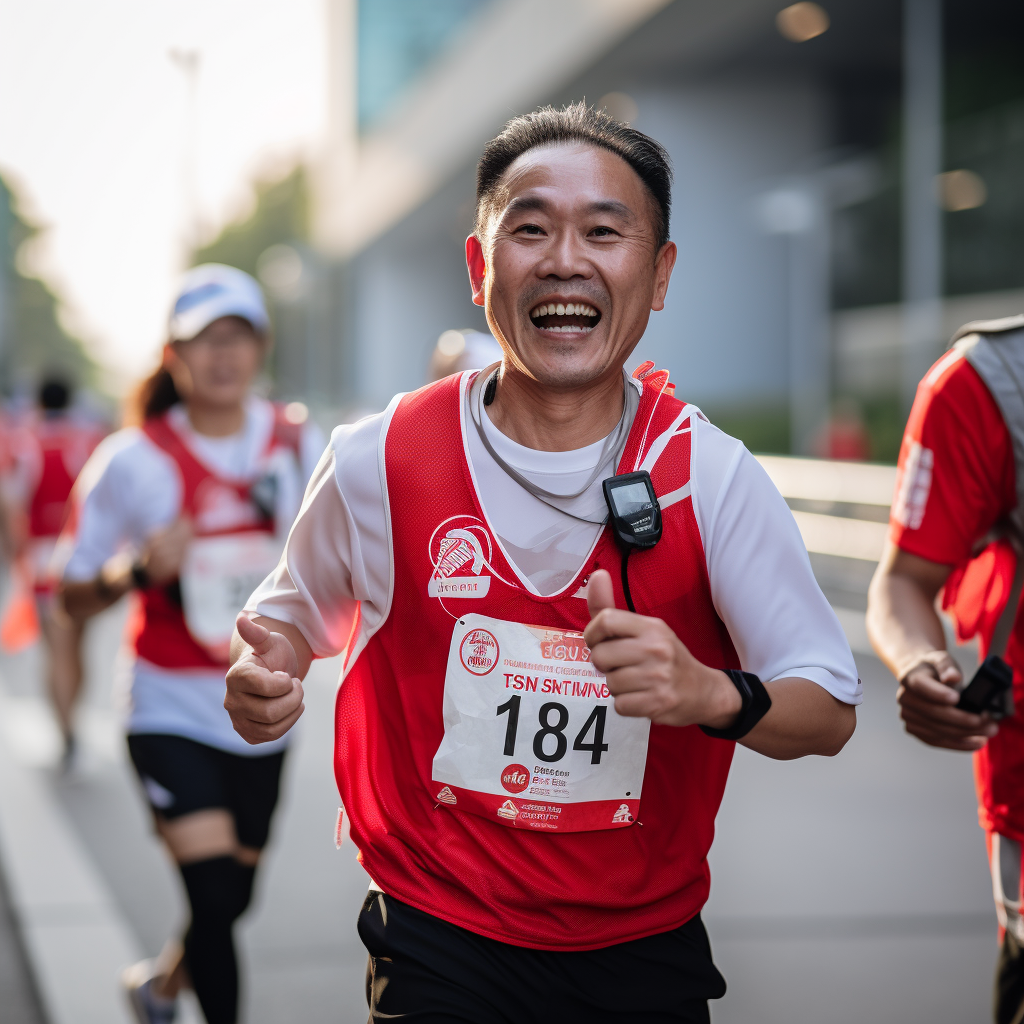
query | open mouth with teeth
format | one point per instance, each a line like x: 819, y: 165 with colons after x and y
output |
x: 565, y: 317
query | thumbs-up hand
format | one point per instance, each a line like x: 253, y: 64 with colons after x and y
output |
x: 649, y: 670
x: 264, y: 693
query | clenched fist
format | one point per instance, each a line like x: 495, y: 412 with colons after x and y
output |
x: 927, y: 698
x: 649, y: 669
x: 264, y: 692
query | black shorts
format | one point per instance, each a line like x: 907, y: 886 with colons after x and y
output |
x: 180, y: 776
x: 426, y: 970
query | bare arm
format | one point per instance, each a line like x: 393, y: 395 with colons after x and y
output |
x: 161, y: 558
x: 269, y: 660
x: 906, y: 631
x: 653, y: 675
x: 84, y: 598
x: 804, y: 719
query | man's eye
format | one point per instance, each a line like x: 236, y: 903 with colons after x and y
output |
x: 602, y: 232
x: 532, y: 229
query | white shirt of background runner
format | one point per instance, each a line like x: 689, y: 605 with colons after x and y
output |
x: 131, y: 487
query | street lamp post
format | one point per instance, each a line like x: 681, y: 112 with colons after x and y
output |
x: 188, y: 61
x: 922, y: 217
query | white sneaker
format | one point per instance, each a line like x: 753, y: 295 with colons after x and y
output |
x: 148, y: 1007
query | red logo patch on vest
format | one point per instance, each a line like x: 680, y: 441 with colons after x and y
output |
x: 460, y: 551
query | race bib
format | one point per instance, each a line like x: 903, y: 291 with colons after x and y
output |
x: 531, y: 735
x: 217, y: 577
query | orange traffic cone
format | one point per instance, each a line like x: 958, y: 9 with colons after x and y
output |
x: 19, y: 626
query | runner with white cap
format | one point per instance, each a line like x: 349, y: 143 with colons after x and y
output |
x: 187, y: 511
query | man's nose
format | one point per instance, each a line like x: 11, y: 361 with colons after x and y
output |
x: 565, y: 257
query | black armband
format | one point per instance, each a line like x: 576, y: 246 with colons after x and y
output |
x: 140, y: 578
x: 756, y: 704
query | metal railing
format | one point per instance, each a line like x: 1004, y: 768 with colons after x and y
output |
x: 841, y: 508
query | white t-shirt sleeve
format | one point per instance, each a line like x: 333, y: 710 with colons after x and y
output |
x: 127, y: 489
x: 761, y: 579
x: 338, y: 550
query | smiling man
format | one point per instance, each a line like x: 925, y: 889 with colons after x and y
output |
x: 531, y: 771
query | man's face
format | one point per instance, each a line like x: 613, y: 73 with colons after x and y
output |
x: 572, y: 266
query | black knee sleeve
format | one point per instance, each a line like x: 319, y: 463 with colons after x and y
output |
x: 219, y: 890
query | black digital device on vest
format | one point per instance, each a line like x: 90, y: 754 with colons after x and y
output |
x: 991, y: 689
x: 633, y: 510
x: 635, y: 518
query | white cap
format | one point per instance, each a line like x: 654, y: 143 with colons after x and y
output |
x: 462, y: 350
x: 211, y: 291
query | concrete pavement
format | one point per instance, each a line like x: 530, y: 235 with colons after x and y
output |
x: 18, y: 994
x: 846, y: 889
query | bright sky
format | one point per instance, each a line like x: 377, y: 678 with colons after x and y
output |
x: 95, y: 129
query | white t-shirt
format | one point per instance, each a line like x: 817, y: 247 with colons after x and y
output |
x: 761, y: 579
x: 130, y: 488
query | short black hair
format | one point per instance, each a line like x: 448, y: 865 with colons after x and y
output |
x: 54, y: 394
x: 575, y: 123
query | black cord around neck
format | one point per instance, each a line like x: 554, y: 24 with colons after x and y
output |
x: 625, y: 579
x: 491, y: 387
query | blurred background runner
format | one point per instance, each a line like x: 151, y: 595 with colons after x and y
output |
x: 456, y: 351
x: 188, y: 510
x: 47, y: 452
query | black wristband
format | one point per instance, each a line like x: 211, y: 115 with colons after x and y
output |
x: 140, y: 578
x: 756, y: 703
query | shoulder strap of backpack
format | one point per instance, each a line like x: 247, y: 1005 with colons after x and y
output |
x: 995, y: 348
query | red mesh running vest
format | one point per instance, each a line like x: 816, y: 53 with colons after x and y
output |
x: 562, y: 891
x: 63, y: 446
x: 157, y: 629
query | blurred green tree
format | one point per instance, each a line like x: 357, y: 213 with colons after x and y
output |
x: 281, y: 215
x: 33, y: 342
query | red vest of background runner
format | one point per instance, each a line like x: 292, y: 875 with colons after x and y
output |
x: 217, y: 507
x: 54, y: 450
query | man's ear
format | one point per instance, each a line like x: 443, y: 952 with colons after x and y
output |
x: 477, y: 267
x: 663, y: 264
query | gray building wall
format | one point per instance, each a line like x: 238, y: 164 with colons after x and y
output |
x: 723, y: 331
x: 407, y: 288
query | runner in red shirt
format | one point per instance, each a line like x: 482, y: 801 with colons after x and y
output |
x: 531, y: 772
x: 956, y: 492
x: 50, y: 451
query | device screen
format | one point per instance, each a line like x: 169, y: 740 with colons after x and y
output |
x: 630, y: 498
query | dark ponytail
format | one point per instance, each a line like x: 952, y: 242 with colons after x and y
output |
x: 153, y: 397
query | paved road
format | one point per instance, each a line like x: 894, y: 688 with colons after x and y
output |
x: 844, y: 890
x: 18, y: 995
